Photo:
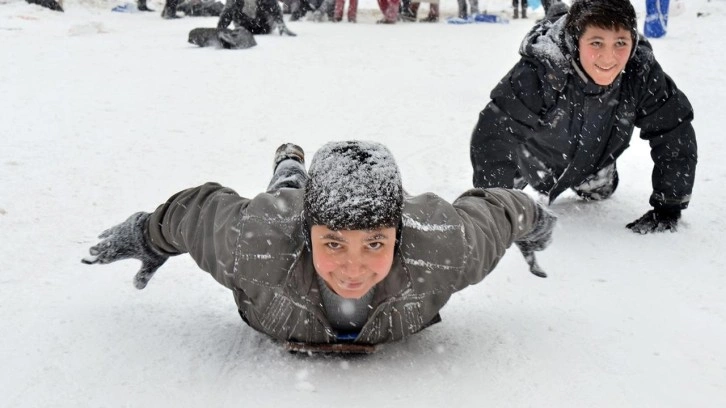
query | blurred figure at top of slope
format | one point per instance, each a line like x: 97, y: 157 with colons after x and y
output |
x: 50, y: 4
x: 352, y: 10
x: 320, y: 8
x: 567, y: 110
x: 473, y: 10
x: 336, y: 254
x: 255, y: 16
x: 390, y: 9
x: 515, y: 8
x: 411, y: 13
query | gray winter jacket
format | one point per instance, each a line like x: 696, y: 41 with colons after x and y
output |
x: 551, y: 125
x: 258, y: 249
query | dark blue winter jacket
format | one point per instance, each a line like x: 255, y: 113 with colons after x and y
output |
x: 550, y: 124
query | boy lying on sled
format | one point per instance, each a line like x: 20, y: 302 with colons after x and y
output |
x: 337, y: 255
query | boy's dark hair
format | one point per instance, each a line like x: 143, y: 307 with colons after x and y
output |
x: 606, y: 14
x: 353, y: 185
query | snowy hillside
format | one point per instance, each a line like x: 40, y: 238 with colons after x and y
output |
x: 104, y: 114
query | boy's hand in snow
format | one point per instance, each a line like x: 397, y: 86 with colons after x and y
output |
x: 128, y: 240
x: 541, y: 235
x: 538, y: 239
x: 657, y: 220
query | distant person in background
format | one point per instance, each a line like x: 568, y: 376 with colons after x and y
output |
x: 50, y: 4
x: 256, y: 16
x: 516, y: 8
x: 474, y: 9
x: 567, y: 110
x: 352, y: 10
x: 404, y: 11
x: 326, y: 8
x: 320, y: 8
x: 169, y: 10
x: 298, y: 8
x: 433, y: 16
x: 389, y: 8
x: 141, y: 5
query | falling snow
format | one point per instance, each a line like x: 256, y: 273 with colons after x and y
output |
x: 105, y: 114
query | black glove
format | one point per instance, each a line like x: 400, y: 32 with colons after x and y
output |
x: 656, y: 220
x: 538, y: 239
x: 282, y: 29
x: 128, y: 240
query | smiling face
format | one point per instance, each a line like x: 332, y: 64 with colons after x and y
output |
x: 351, y: 262
x: 604, y: 53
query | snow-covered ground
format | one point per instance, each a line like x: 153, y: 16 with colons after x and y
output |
x: 103, y: 114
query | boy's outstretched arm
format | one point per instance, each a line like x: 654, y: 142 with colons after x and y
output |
x: 496, y: 218
x: 128, y: 240
x: 201, y: 221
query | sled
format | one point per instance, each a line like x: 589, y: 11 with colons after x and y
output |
x: 235, y: 39
x: 330, y: 348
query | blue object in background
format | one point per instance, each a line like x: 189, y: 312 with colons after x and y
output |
x: 533, y: 4
x: 478, y: 18
x: 490, y: 18
x: 126, y: 8
x: 656, y: 18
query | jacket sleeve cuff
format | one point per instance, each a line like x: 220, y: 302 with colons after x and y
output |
x: 659, y: 201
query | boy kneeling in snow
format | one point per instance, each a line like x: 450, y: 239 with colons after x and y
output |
x: 567, y: 110
x: 339, y: 254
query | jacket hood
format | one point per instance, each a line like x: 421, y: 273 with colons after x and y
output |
x: 546, y: 44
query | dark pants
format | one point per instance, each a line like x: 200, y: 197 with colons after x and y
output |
x: 267, y: 15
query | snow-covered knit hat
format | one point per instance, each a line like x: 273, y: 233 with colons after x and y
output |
x: 608, y: 14
x: 353, y: 185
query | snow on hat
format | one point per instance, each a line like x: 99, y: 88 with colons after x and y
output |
x: 606, y: 14
x: 354, y: 185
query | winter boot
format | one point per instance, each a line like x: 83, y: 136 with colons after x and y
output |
x: 141, y: 5
x: 600, y: 185
x: 433, y: 16
x: 516, y: 13
x: 288, y: 151
x: 287, y: 173
x: 524, y: 12
x: 408, y: 14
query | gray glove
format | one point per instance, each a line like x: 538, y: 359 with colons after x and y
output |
x: 128, y: 240
x: 538, y: 239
